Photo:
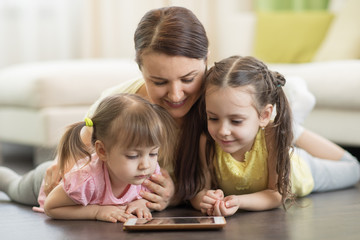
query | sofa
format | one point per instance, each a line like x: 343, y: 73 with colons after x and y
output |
x: 326, y: 55
x: 37, y: 100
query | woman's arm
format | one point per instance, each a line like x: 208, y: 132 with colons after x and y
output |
x: 59, y: 206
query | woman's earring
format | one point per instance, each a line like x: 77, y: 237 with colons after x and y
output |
x: 262, y: 128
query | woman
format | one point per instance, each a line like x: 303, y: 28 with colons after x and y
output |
x: 171, y: 51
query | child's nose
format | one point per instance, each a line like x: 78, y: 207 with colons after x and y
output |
x: 144, y: 163
x: 224, y: 130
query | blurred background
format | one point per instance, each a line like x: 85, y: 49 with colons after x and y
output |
x: 306, y: 37
x: 37, y: 30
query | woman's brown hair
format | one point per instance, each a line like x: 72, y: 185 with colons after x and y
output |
x: 174, y: 31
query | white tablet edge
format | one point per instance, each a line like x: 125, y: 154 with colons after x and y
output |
x: 130, y: 222
x: 219, y: 220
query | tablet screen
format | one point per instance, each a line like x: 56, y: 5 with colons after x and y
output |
x: 180, y: 220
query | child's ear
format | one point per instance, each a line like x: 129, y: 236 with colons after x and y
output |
x: 100, y: 150
x: 265, y: 115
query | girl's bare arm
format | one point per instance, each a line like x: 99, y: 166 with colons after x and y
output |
x: 59, y: 206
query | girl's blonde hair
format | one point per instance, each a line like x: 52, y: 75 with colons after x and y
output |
x: 238, y: 71
x: 124, y: 121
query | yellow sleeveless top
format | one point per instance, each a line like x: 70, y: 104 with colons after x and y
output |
x: 236, y: 178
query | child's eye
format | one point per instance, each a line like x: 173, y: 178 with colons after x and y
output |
x: 212, y: 119
x: 236, y: 121
x: 132, y: 156
x: 153, y: 154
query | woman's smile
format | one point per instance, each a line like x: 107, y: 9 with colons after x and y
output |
x: 176, y: 104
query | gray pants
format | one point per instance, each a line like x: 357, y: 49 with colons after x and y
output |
x: 26, y: 188
x: 332, y: 175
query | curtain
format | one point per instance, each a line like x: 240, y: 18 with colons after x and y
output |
x: 38, y: 30
x: 41, y: 30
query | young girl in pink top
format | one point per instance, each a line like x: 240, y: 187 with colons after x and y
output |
x: 106, y: 182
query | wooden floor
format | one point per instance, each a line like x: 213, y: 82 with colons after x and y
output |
x: 331, y: 215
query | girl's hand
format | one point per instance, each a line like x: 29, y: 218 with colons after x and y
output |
x: 51, y: 178
x: 113, y: 214
x: 227, y: 207
x: 209, y: 200
x: 162, y: 189
x: 138, y: 208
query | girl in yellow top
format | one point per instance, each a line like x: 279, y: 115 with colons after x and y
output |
x: 248, y: 157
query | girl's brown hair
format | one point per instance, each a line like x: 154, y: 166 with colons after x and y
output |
x: 125, y: 121
x: 239, y: 71
x: 174, y: 31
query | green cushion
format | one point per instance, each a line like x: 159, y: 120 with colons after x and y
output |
x: 290, y: 37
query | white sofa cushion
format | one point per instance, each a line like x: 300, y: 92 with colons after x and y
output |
x: 335, y: 84
x: 34, y: 127
x: 62, y: 83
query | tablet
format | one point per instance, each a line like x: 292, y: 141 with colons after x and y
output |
x: 174, y: 223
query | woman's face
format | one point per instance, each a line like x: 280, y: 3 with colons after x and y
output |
x: 173, y: 82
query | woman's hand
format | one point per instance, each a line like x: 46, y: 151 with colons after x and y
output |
x: 112, y: 214
x: 162, y: 190
x: 52, y: 178
x: 139, y: 209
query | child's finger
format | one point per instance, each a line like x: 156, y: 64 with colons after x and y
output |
x: 121, y: 217
x: 217, y: 211
x: 231, y: 202
x: 215, y: 194
x: 219, y: 193
x: 209, y: 200
x: 203, y: 210
x: 223, y: 209
x: 130, y: 210
x: 211, y: 194
x: 206, y: 205
x: 210, y: 211
x: 147, y: 214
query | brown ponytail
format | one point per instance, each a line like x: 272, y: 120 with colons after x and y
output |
x: 71, y: 147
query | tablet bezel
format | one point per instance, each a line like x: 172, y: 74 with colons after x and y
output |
x: 131, y: 224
